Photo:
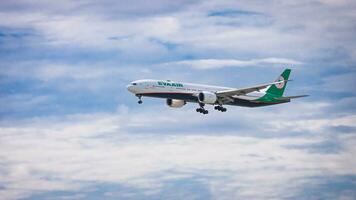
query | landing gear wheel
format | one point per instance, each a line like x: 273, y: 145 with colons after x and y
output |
x: 139, y: 99
x: 220, y: 108
x: 202, y: 110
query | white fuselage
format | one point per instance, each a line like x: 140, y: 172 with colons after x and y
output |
x: 167, y: 88
x: 177, y: 94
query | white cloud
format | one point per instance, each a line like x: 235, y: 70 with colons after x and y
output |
x: 241, y: 153
x: 288, y: 29
x: 314, y: 125
x: 72, y: 76
x: 221, y: 63
x: 90, y: 31
x: 21, y: 102
x: 48, y: 154
x: 340, y: 83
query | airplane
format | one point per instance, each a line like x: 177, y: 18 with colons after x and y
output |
x: 177, y: 94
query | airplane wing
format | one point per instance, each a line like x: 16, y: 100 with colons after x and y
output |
x: 291, y: 97
x: 241, y: 91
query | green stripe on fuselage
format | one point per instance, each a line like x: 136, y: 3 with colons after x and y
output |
x: 269, y: 98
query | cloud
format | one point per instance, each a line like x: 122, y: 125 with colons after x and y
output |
x: 340, y: 82
x: 221, y: 63
x: 69, y: 75
x: 283, y: 34
x: 63, y: 72
x: 71, y: 153
x: 231, y: 13
x: 21, y: 103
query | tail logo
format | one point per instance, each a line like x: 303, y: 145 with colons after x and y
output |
x: 281, y: 84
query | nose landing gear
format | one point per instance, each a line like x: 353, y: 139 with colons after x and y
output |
x: 139, y: 99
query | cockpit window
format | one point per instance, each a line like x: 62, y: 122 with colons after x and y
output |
x: 134, y: 83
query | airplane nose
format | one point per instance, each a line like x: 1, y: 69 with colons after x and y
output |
x: 130, y: 88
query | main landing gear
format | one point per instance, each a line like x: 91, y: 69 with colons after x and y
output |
x: 139, y: 99
x: 220, y: 108
x: 202, y: 109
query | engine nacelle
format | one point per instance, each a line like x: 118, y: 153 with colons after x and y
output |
x: 207, y: 97
x: 175, y: 103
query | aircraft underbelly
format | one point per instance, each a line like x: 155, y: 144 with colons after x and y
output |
x: 251, y: 103
x: 240, y: 100
x: 167, y: 95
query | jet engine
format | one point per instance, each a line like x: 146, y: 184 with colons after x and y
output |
x: 175, y: 103
x: 207, y: 97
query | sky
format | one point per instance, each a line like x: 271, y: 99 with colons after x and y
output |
x: 69, y: 129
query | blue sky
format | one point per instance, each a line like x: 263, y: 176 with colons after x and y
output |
x: 70, y: 130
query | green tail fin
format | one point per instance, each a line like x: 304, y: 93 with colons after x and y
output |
x: 277, y: 89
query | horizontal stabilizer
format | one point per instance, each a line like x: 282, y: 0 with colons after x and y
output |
x: 291, y: 97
